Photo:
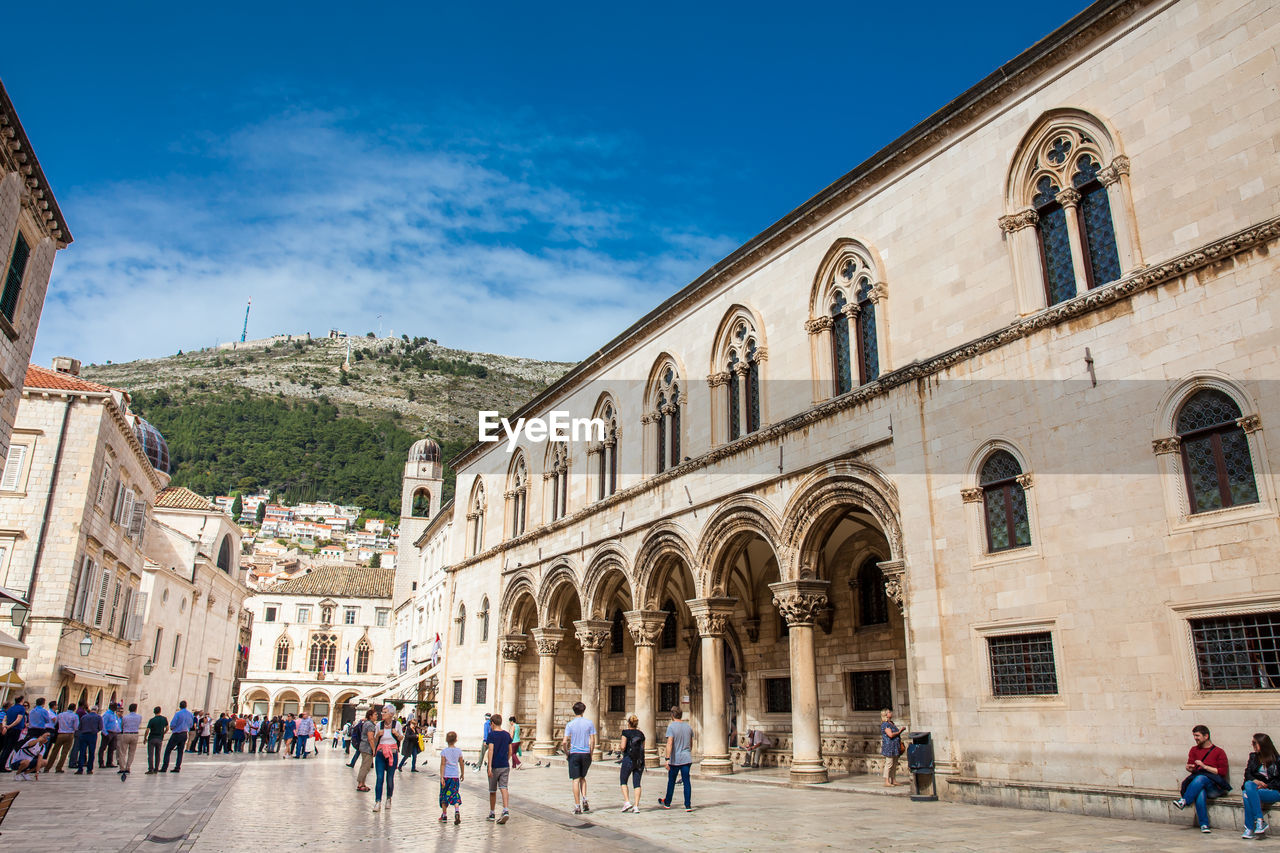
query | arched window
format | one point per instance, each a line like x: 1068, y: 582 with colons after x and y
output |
x: 607, y: 461
x: 844, y: 311
x: 1068, y: 188
x: 738, y: 355
x: 283, y: 649
x: 518, y: 494
x: 664, y: 413
x: 616, y: 631
x: 873, y: 603
x: 324, y: 653
x: 224, y: 554
x: 484, y: 620
x: 669, y: 627
x: 363, y: 650
x: 1215, y: 452
x: 462, y: 623
x: 421, y: 504
x: 558, y: 472
x: 1004, y: 503
x: 475, y: 519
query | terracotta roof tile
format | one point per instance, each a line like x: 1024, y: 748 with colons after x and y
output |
x: 42, y: 377
x: 180, y: 497
x: 340, y: 582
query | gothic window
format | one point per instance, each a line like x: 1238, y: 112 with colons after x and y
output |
x: 845, y: 304
x: 868, y: 354
x: 665, y: 413
x: 737, y: 368
x: 324, y: 653
x: 363, y: 650
x: 616, y: 631
x: 462, y: 623
x: 873, y: 603
x: 283, y: 648
x: 1095, y: 222
x: 475, y: 519
x: 518, y: 495
x: 559, y: 471
x: 607, y: 461
x: 669, y: 626
x: 840, y: 343
x: 1004, y: 503
x: 1215, y: 452
x: 484, y: 620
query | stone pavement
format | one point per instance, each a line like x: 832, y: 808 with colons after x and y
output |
x: 247, y: 802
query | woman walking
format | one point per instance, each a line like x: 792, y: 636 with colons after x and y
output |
x: 385, y: 739
x: 890, y: 746
x: 515, y: 743
x: 1261, y: 785
x: 411, y: 747
x: 632, y: 747
x: 452, y: 772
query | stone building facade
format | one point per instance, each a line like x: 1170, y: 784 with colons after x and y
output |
x: 32, y: 230
x: 991, y: 403
x: 319, y: 641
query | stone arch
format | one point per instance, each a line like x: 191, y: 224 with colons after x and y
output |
x: 224, y: 554
x: 737, y: 517
x: 517, y: 598
x: 845, y: 248
x: 255, y: 693
x: 606, y: 573
x: 1179, y: 393
x: 558, y: 587
x: 722, y: 342
x: 808, y: 515
x: 663, y: 543
x: 1020, y: 180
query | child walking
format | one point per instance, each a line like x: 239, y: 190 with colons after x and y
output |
x: 452, y: 773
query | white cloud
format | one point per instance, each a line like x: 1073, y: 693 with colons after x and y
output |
x: 326, y: 227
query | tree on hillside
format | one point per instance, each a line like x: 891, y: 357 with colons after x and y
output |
x: 247, y: 484
x: 237, y: 506
x: 261, y: 513
x: 375, y: 562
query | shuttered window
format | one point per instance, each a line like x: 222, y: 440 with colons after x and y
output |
x: 101, y: 595
x: 11, y: 479
x: 83, y: 590
x: 13, y: 277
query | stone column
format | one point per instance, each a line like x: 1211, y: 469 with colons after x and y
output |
x: 548, y: 640
x: 820, y: 343
x: 512, y: 647
x: 1069, y: 198
x: 592, y: 634
x: 1020, y: 230
x: 713, y: 615
x: 645, y: 627
x: 799, y: 602
x: 1116, y: 179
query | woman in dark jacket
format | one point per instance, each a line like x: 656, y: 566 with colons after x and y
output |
x: 409, y: 749
x: 1261, y: 785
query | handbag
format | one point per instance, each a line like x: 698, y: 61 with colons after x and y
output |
x: 422, y: 744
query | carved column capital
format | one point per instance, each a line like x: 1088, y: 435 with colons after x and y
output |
x: 852, y: 310
x: 1069, y: 197
x: 1024, y: 480
x: 741, y: 368
x: 1249, y: 423
x: 818, y: 325
x: 1119, y: 166
x: 878, y: 292
x: 1017, y: 221
x: 513, y: 646
x: 712, y: 614
x: 1162, y: 446
x: 715, y: 380
x: 762, y: 354
x: 800, y: 602
x: 970, y: 496
x: 592, y: 634
x: 645, y: 625
x: 895, y: 582
x: 549, y: 640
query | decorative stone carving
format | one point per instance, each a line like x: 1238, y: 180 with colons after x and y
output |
x: 741, y: 368
x: 592, y: 634
x: 1024, y: 480
x: 1165, y: 445
x: 513, y: 646
x: 970, y: 496
x: 1017, y: 221
x: 549, y: 640
x: 645, y: 625
x: 752, y: 627
x: 715, y: 380
x: 712, y: 615
x: 895, y: 582
x: 1069, y: 197
x: 1249, y: 423
x: 818, y: 324
x: 852, y: 310
x: 800, y: 602
x: 825, y: 619
x: 878, y: 292
x: 1119, y: 166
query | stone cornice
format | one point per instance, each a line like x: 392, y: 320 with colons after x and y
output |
x: 1017, y: 74
x: 17, y: 155
x: 1091, y: 300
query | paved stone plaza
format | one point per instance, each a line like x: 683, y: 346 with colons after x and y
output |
x: 250, y: 802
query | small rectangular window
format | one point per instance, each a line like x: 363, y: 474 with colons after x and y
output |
x: 1240, y: 652
x: 155, y: 650
x: 349, y: 616
x: 177, y: 644
x: 777, y: 695
x: 617, y: 698
x: 382, y: 614
x: 668, y: 696
x: 457, y: 692
x: 304, y: 615
x: 872, y: 691
x: 482, y: 690
x: 269, y: 614
x: 1023, y: 665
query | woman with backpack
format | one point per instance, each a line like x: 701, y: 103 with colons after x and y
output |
x: 385, y: 739
x: 632, y: 747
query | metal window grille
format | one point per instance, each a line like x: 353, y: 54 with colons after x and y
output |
x: 1240, y: 652
x: 617, y: 698
x: 457, y: 692
x: 482, y: 690
x: 668, y: 696
x: 1022, y: 665
x: 872, y: 691
x: 777, y: 695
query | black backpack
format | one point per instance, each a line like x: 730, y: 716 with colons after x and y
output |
x: 635, y: 747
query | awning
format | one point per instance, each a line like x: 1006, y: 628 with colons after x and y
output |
x: 406, y: 680
x: 93, y: 676
x: 11, y: 647
x: 11, y: 679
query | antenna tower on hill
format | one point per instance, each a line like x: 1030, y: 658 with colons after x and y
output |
x: 245, y: 331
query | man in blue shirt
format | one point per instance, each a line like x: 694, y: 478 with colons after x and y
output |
x: 110, y: 737
x: 14, y: 721
x: 178, y: 728
x: 87, y: 741
x: 41, y: 719
x: 484, y: 739
x: 67, y: 722
x: 130, y: 726
x: 580, y: 743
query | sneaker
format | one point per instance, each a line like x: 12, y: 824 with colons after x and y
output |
x: 506, y: 816
x: 635, y: 810
x: 388, y: 804
x: 688, y: 808
x: 1179, y: 804
x: 577, y: 809
x: 585, y: 807
x: 1248, y: 833
x: 444, y: 818
x: 377, y: 807
x: 491, y: 816
x: 626, y: 807
x: 457, y: 817
x: 1204, y: 827
x: 663, y: 803
x: 1260, y: 827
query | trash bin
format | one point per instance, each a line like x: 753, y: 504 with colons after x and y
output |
x: 920, y: 764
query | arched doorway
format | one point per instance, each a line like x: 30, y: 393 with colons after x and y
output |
x: 286, y: 702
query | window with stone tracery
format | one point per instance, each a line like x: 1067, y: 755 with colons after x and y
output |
x: 324, y: 653
x: 1216, y: 461
x: 1004, y: 503
x: 283, y: 648
x: 518, y: 495
x: 739, y: 354
x: 845, y: 310
x: 664, y: 413
x: 558, y: 473
x: 475, y: 519
x: 363, y: 650
x: 607, y: 451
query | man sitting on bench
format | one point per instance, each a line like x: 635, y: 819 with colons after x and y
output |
x: 755, y: 745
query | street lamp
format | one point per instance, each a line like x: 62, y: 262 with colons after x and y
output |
x: 148, y: 666
x: 86, y: 645
x: 18, y: 614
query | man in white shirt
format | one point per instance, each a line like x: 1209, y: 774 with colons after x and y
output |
x: 128, y: 741
x: 303, y: 731
x: 68, y: 721
x: 254, y: 726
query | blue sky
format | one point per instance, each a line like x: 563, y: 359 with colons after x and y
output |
x: 506, y: 178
